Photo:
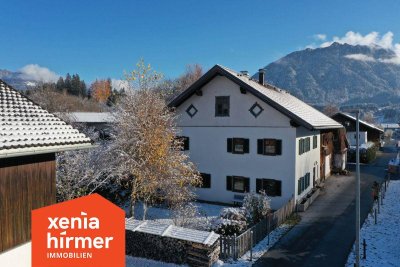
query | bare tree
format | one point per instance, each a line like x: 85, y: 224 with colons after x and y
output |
x: 369, y: 117
x: 82, y: 172
x: 330, y: 110
x: 149, y: 155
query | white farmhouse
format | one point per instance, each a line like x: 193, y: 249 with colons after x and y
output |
x: 245, y: 135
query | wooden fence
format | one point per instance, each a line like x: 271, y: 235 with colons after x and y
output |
x: 236, y: 246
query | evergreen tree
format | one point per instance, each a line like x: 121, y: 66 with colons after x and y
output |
x: 67, y: 83
x: 60, y: 84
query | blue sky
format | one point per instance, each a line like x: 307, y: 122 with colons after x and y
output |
x: 100, y: 39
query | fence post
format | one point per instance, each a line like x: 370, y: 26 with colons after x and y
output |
x: 268, y: 227
x: 379, y: 206
x: 375, y: 215
x: 234, y: 248
x: 251, y: 245
x: 381, y: 199
x: 364, y: 249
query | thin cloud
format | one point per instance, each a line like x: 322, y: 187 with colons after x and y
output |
x: 38, y: 73
x: 119, y: 84
x: 320, y: 37
x: 360, y: 57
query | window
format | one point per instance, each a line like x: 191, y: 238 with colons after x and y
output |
x: 303, y: 183
x: 238, y: 145
x: 222, y: 106
x: 315, y: 141
x: 256, y: 110
x: 205, y: 180
x: 237, y: 184
x: 304, y: 145
x: 272, y: 188
x: 184, y: 142
x: 269, y: 147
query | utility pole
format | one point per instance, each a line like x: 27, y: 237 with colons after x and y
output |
x: 358, y: 190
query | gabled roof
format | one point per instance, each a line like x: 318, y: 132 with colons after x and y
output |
x: 90, y: 117
x: 26, y: 128
x: 366, y: 124
x: 300, y: 112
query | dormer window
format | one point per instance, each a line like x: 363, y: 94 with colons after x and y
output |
x: 222, y: 106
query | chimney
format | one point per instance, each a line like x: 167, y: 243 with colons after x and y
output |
x: 261, y: 76
x: 244, y: 73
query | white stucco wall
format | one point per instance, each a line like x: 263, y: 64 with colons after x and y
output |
x: 308, y: 160
x: 208, y: 141
x: 351, y: 137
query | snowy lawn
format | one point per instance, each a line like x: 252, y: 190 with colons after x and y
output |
x: 244, y: 261
x: 206, y: 212
x: 383, y: 238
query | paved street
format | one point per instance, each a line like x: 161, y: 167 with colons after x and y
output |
x: 326, y: 232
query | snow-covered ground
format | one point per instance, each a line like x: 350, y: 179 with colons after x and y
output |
x: 383, y: 245
x: 244, y: 261
x: 206, y: 212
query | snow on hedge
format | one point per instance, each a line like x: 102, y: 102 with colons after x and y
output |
x: 383, y: 238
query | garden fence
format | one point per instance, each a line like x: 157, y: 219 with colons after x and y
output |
x: 236, y: 246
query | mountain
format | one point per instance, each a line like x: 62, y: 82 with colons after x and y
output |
x: 341, y: 73
x: 18, y: 80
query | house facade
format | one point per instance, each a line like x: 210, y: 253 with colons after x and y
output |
x: 30, y: 137
x: 247, y: 136
x: 368, y: 131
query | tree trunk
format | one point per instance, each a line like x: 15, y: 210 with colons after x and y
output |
x: 145, y: 208
x: 132, y: 208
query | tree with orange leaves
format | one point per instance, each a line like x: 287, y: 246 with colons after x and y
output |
x: 101, y: 90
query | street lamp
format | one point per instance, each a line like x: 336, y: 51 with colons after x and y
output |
x: 358, y: 189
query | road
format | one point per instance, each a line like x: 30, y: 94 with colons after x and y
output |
x: 326, y: 232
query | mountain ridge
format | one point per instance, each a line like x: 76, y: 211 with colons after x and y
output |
x: 341, y: 74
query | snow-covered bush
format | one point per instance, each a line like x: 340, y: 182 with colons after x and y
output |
x: 231, y: 221
x: 256, y: 206
x: 185, y: 214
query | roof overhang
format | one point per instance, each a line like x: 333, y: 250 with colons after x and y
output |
x: 20, y: 152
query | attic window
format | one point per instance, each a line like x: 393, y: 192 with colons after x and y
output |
x: 191, y: 110
x: 256, y: 110
x: 222, y: 106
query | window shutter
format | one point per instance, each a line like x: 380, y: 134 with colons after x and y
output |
x: 186, y: 143
x: 246, y: 148
x: 299, y: 186
x: 278, y: 148
x: 229, y: 183
x: 258, y: 185
x: 300, y: 147
x: 260, y: 146
x: 206, y: 180
x: 246, y: 184
x: 229, y: 144
x: 278, y: 188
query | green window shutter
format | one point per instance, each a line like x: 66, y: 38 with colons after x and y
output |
x: 185, y: 143
x: 278, y: 188
x: 229, y: 143
x: 299, y: 186
x: 229, y: 180
x: 246, y: 147
x: 278, y: 149
x: 246, y: 184
x: 260, y: 146
x: 259, y: 186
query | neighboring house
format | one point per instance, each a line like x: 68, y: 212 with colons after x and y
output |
x: 99, y: 121
x: 29, y: 138
x: 245, y: 135
x: 368, y: 131
x: 390, y: 126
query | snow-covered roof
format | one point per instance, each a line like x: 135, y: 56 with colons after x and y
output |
x: 91, y: 117
x: 390, y: 125
x: 160, y: 229
x: 26, y: 128
x: 291, y: 106
x: 369, y: 125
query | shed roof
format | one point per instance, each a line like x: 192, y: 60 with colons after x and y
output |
x: 366, y: 124
x: 161, y: 229
x: 26, y: 128
x: 297, y: 110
